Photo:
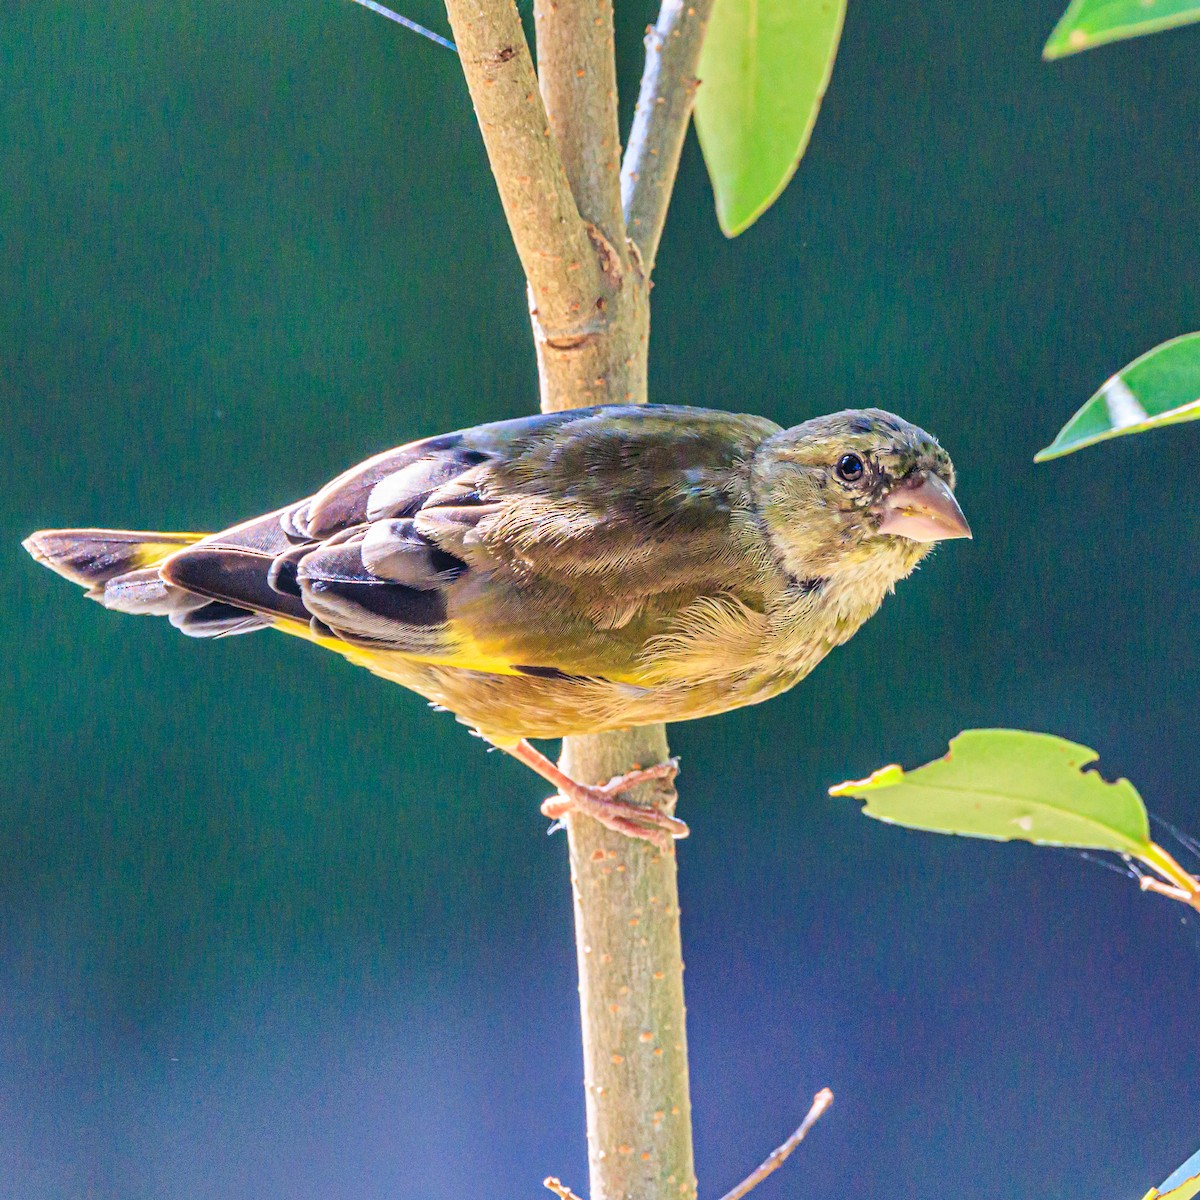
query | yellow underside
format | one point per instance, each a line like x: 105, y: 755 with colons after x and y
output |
x: 466, y: 655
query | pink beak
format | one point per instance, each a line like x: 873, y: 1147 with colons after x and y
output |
x: 924, y: 512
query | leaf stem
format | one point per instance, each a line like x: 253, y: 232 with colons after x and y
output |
x: 1184, y: 887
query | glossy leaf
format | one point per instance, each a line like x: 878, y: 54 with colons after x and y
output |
x: 1088, y: 23
x: 1162, y: 387
x: 1007, y: 784
x: 763, y: 71
x: 1183, y: 1184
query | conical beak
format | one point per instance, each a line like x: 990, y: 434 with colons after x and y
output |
x: 924, y: 512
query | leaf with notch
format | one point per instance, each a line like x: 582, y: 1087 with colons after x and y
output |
x: 1008, y: 784
x: 1013, y: 785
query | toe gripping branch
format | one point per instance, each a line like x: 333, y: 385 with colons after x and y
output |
x: 603, y: 802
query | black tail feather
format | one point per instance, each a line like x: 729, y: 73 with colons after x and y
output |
x: 235, y: 576
x: 123, y: 570
x: 93, y: 557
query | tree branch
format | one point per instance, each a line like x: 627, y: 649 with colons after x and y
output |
x: 561, y: 261
x: 578, y: 76
x: 625, y: 892
x: 660, y: 120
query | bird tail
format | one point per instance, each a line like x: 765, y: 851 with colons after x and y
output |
x: 93, y: 558
x: 120, y: 568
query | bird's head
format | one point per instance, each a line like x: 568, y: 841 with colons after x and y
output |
x: 859, y: 492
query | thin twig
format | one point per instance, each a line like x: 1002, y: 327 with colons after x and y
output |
x: 560, y: 260
x: 821, y: 1101
x: 408, y: 24
x: 559, y: 1188
x: 660, y: 120
x: 577, y: 72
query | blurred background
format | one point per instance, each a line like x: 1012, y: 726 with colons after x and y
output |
x: 268, y: 927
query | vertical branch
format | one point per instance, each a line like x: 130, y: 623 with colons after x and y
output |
x: 631, y: 1006
x: 660, y: 120
x: 578, y: 76
x: 578, y: 79
x: 625, y: 893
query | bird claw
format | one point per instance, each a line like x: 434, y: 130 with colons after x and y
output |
x: 633, y: 820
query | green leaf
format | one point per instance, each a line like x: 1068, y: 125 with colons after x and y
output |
x: 763, y: 70
x: 1183, y: 1184
x: 1160, y: 388
x: 1007, y: 784
x: 1088, y: 23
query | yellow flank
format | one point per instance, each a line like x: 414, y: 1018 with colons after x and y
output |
x: 465, y: 655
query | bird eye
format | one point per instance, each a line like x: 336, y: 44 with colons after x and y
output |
x: 850, y: 468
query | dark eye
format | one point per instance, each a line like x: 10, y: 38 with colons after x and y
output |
x: 850, y: 468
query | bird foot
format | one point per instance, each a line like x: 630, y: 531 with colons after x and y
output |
x: 601, y: 803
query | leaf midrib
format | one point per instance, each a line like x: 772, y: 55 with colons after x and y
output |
x: 1046, y: 804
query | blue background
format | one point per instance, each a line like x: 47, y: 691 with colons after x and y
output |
x: 270, y: 928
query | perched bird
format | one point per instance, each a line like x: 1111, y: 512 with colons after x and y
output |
x: 572, y: 572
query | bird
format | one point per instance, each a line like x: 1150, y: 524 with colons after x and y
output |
x: 569, y: 572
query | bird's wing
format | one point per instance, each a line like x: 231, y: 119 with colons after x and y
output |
x: 559, y: 542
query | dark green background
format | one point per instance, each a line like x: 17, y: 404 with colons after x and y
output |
x: 270, y: 928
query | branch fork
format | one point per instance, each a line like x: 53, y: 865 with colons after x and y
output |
x: 554, y: 145
x: 586, y: 230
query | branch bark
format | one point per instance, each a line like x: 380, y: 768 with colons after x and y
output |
x: 578, y: 75
x: 660, y: 120
x: 566, y: 277
x: 606, y: 363
x: 627, y: 939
